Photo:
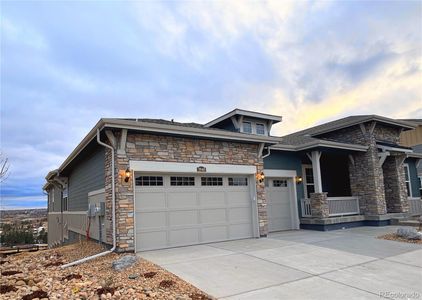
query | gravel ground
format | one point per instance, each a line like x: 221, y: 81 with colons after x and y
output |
x: 41, y: 277
x: 395, y: 237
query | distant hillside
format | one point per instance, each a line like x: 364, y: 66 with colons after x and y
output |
x: 23, y: 214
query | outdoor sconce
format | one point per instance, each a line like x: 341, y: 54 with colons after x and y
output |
x: 127, y: 175
x: 260, y: 177
x: 298, y: 179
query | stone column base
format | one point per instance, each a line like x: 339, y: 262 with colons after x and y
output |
x: 319, y: 205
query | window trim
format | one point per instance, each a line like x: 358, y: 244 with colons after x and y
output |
x: 238, y: 177
x: 264, y: 128
x: 65, y: 199
x: 305, y: 183
x: 409, y: 181
x: 183, y: 185
x: 149, y: 181
x: 243, y: 127
x: 212, y: 185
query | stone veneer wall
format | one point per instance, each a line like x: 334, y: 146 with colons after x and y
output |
x: 395, y: 185
x: 173, y: 149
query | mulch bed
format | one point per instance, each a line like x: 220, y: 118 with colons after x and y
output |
x: 395, y: 237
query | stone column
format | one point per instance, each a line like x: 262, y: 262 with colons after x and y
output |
x: 262, y: 203
x: 367, y: 180
x: 319, y: 205
x: 395, y: 185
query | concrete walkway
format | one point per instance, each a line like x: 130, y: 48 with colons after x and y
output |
x: 343, y: 264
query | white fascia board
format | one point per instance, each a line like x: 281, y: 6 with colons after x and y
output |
x: 279, y: 173
x: 388, y: 148
x: 174, y: 167
x: 246, y: 113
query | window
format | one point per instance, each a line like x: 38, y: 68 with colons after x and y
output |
x: 247, y: 127
x: 182, y: 181
x: 238, y: 181
x: 260, y: 128
x: 211, y: 181
x: 407, y: 180
x: 308, y: 182
x: 279, y: 183
x: 149, y: 181
x: 65, y: 197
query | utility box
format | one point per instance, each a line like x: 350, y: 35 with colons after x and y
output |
x: 101, y: 209
x: 91, y: 210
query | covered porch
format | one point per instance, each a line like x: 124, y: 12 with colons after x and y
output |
x: 326, y: 184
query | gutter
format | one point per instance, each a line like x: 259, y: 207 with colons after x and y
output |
x: 113, y: 203
x: 328, y: 144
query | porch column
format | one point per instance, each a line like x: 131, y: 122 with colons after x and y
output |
x: 316, y: 170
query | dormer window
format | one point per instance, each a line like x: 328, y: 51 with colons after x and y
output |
x: 247, y: 127
x: 260, y: 128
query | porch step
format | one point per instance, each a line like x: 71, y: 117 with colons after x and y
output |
x: 413, y: 223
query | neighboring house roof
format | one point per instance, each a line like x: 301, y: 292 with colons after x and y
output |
x: 415, y: 122
x: 350, y: 121
x: 275, y: 119
x: 168, y: 127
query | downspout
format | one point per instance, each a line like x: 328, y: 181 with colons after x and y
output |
x: 268, y: 154
x: 113, y: 204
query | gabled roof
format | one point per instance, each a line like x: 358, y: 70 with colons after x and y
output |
x: 246, y: 113
x: 350, y: 121
x: 167, y: 127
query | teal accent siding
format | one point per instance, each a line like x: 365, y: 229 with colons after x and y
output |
x: 85, y: 176
x: 414, y: 180
x: 285, y: 160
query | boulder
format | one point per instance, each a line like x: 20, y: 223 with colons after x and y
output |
x: 409, y: 233
x: 124, y: 262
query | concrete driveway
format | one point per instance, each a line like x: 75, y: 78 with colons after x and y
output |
x: 349, y: 264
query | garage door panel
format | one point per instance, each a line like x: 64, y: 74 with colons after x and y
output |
x: 239, y: 231
x: 212, y: 216
x: 151, y: 240
x: 239, y: 214
x: 181, y: 199
x: 215, y: 233
x: 211, y: 199
x: 238, y: 198
x: 185, y: 236
x: 152, y: 200
x: 183, y: 217
x: 150, y: 220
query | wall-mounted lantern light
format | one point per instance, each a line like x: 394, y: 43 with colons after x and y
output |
x: 127, y: 175
x: 298, y: 179
x: 260, y: 177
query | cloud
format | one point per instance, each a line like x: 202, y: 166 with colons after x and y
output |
x: 64, y: 65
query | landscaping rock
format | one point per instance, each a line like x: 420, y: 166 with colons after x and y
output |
x: 124, y: 262
x: 409, y: 233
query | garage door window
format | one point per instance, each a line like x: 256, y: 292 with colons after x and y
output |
x: 149, y: 181
x: 238, y: 181
x: 182, y: 181
x: 211, y: 181
x: 279, y: 183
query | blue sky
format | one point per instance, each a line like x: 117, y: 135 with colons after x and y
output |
x: 66, y: 64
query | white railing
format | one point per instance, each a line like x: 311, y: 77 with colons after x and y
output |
x: 305, y: 205
x: 415, y: 206
x: 343, y: 206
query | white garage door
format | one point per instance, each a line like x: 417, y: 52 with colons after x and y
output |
x: 179, y: 210
x: 278, y: 204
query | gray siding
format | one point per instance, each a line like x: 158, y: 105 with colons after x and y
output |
x: 86, y: 176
